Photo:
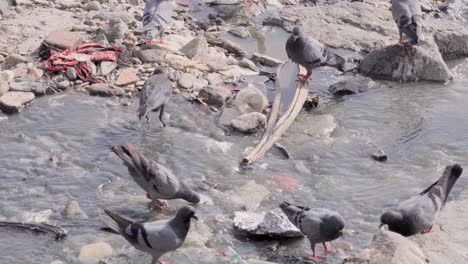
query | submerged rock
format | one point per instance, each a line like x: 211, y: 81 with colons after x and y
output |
x: 353, y: 85
x: 241, y: 32
x: 273, y: 224
x: 390, y: 248
x: 73, y: 211
x: 406, y: 63
x: 249, y: 123
x: 93, y: 253
x: 14, y: 102
x: 250, y: 100
x: 252, y: 194
x: 265, y: 60
x: 379, y: 155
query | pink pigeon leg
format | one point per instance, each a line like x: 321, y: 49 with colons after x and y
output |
x: 328, y: 250
x: 303, y: 78
x: 315, y: 256
x: 427, y: 231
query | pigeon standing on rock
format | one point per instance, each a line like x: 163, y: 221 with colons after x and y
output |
x: 158, y: 181
x: 155, y: 94
x: 417, y: 214
x: 310, y: 54
x: 155, y: 238
x: 320, y: 225
x: 408, y: 17
x: 156, y: 17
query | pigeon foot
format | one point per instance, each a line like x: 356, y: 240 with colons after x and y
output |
x: 402, y: 42
x: 328, y: 250
x: 429, y: 230
x: 162, y: 262
x: 303, y: 78
x: 159, y: 206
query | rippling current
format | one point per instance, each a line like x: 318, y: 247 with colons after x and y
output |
x: 58, y: 149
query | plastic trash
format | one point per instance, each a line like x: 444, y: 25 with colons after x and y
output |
x: 233, y: 255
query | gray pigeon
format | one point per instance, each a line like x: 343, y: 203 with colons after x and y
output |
x: 156, y: 17
x: 155, y: 238
x: 417, y: 214
x: 320, y: 225
x: 408, y: 17
x: 156, y: 92
x: 158, y: 181
x: 310, y: 54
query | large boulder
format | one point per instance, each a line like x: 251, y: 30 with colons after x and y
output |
x: 14, y: 102
x: 452, y: 44
x: 353, y: 85
x: 406, y: 63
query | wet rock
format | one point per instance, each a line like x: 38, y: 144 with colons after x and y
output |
x: 265, y: 60
x: 246, y: 63
x: 406, y: 63
x: 272, y: 224
x: 64, y: 39
x: 93, y: 6
x: 252, y: 194
x: 12, y: 60
x: 116, y: 30
x: 250, y: 99
x: 14, y: 102
x: 352, y: 85
x: 195, y: 47
x: 73, y: 211
x: 390, y: 248
x: 249, y: 123
x: 37, y: 88
x: 379, y: 155
x: 7, y: 76
x: 105, y: 90
x: 151, y: 55
x: 126, y: 77
x: 71, y: 74
x: 214, y: 95
x: 241, y: 32
x: 186, y: 81
x: 311, y: 102
x: 4, y: 87
x: 452, y: 44
x: 106, y: 67
x: 93, y: 253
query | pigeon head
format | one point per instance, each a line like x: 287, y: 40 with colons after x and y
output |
x: 189, y: 195
x: 297, y: 32
x: 334, y: 227
x: 186, y: 213
x: 392, y: 219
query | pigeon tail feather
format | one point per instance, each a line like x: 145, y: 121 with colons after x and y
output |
x: 116, y: 221
x: 446, y: 182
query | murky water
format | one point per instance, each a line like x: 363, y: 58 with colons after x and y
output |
x: 58, y: 149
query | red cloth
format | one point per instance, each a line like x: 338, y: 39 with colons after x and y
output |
x: 61, y: 61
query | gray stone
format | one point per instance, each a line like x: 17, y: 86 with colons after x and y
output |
x: 406, y: 63
x: 390, y: 248
x: 352, y: 85
x: 250, y: 99
x: 215, y: 63
x: 105, y: 90
x: 151, y: 55
x: 4, y: 87
x: 73, y: 211
x: 379, y: 155
x: 272, y: 224
x: 71, y: 73
x: 214, y: 95
x: 38, y: 88
x: 12, y: 60
x: 195, y: 47
x: 246, y: 63
x: 186, y: 81
x: 93, y: 6
x: 116, y: 30
x: 249, y: 123
x: 214, y: 78
x: 240, y: 32
x: 452, y: 44
x: 265, y: 60
x: 14, y: 102
x: 106, y: 67
x: 94, y: 253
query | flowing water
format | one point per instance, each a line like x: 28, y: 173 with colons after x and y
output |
x: 58, y: 149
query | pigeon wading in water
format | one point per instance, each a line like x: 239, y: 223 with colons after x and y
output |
x: 320, y: 225
x: 310, y: 54
x: 156, y: 92
x: 156, y: 18
x: 417, y: 214
x: 155, y: 238
x: 408, y: 17
x: 158, y: 181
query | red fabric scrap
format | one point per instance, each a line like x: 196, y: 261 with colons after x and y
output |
x: 61, y: 61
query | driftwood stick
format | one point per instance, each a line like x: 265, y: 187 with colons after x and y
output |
x: 37, y: 227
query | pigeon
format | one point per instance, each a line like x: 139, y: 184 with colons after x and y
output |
x: 156, y: 17
x: 155, y: 238
x: 310, y: 54
x: 417, y: 214
x: 320, y: 225
x: 408, y: 17
x: 158, y: 181
x: 156, y: 92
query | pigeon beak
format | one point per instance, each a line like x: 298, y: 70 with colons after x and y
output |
x: 195, y: 217
x: 380, y: 226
